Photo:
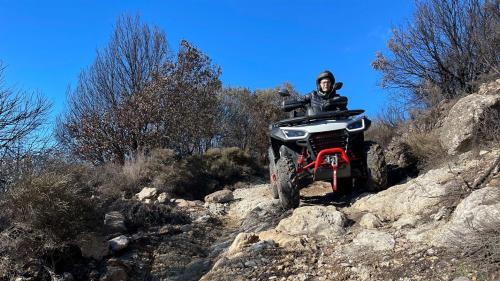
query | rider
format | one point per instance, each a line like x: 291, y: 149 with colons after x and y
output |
x: 324, y: 91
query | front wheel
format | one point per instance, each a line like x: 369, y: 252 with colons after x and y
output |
x: 376, y: 167
x: 273, y: 174
x: 288, y: 190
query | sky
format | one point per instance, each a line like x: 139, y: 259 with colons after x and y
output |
x: 258, y: 44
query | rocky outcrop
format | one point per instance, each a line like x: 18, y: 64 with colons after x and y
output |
x: 419, y: 196
x: 457, y: 132
x: 475, y: 217
x: 314, y: 221
x: 374, y: 240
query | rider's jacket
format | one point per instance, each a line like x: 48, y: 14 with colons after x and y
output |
x: 318, y: 101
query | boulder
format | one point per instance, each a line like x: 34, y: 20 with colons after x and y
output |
x: 241, y: 241
x: 456, y: 134
x: 370, y: 221
x: 420, y: 196
x: 119, y: 243
x: 374, y: 240
x: 324, y: 221
x: 114, y: 222
x: 147, y: 193
x: 473, y: 219
x: 221, y: 196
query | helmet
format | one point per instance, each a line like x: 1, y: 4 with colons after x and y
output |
x: 323, y: 75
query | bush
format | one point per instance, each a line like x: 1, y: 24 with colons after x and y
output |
x: 228, y: 165
x: 42, y: 213
x: 58, y: 204
x: 380, y: 133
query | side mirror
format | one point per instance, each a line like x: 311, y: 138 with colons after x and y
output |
x: 284, y: 92
x: 338, y: 86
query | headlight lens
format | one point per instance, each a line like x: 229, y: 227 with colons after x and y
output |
x: 294, y: 133
x: 356, y: 125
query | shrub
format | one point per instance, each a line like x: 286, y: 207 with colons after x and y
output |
x: 56, y: 203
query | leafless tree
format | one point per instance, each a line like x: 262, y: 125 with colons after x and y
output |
x: 447, y: 47
x: 136, y: 96
x: 21, y: 114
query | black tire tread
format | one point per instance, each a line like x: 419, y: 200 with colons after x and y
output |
x: 288, y: 190
x: 377, y: 167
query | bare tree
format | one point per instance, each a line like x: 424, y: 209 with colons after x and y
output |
x: 444, y: 51
x: 136, y: 96
x: 102, y: 122
x: 21, y: 114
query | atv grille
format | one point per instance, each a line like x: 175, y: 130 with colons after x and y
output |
x: 320, y: 141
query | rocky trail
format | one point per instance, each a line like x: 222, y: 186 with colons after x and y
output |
x: 442, y: 225
x: 417, y: 230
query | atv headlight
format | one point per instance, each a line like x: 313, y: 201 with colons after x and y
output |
x: 294, y: 134
x: 356, y: 125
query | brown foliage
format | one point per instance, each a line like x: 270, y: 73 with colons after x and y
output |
x: 245, y: 118
x: 136, y: 97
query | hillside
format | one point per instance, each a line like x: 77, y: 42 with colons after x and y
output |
x: 442, y: 225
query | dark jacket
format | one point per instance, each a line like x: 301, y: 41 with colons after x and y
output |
x: 318, y: 101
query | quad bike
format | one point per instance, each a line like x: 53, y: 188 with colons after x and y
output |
x: 322, y: 146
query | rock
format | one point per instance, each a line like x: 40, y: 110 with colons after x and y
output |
x: 370, y: 221
x: 241, y: 241
x: 459, y: 126
x: 114, y: 222
x: 261, y: 245
x: 406, y: 221
x: 375, y: 240
x: 250, y: 264
x: 114, y: 273
x: 221, y: 196
x: 162, y: 198
x: 119, y: 243
x: 283, y: 239
x: 93, y: 246
x: 478, y: 213
x: 182, y: 203
x: 147, y: 193
x: 420, y: 196
x: 399, y: 154
x: 314, y: 220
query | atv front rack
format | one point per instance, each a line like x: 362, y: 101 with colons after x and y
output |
x: 320, y: 161
x: 317, y: 117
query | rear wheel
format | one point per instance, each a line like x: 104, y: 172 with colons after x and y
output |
x: 273, y: 174
x: 288, y: 190
x: 376, y: 179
